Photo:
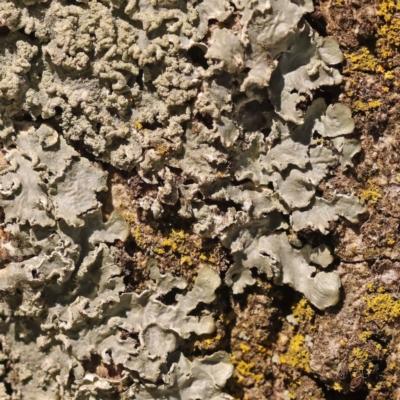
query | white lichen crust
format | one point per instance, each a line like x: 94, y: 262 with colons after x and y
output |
x: 213, y: 102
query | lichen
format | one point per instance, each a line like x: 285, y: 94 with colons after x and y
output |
x: 363, y: 60
x: 297, y: 355
x: 378, y: 58
x: 388, y: 32
x: 245, y: 370
x: 302, y: 311
x: 359, y: 105
x: 337, y: 386
x: 140, y: 101
x: 391, y: 239
x: 381, y: 307
x: 372, y: 194
x: 220, y: 121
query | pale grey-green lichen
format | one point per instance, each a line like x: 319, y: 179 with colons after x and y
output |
x: 212, y: 102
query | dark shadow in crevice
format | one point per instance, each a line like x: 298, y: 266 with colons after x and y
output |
x: 197, y: 56
x: 4, y: 31
x: 169, y: 299
x: 317, y: 21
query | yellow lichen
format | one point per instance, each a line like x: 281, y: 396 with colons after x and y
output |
x: 370, y: 287
x: 129, y: 217
x: 372, y: 193
x: 389, y: 29
x: 208, y: 343
x: 139, y: 238
x: 302, y: 311
x: 364, y: 336
x: 359, y: 105
x: 390, y: 239
x: 182, y: 245
x: 261, y: 349
x: 337, y: 386
x: 244, y: 347
x: 380, y: 289
x: 389, y: 75
x: 245, y: 369
x: 211, y: 341
x: 381, y: 307
x: 360, y: 355
x: 176, y: 240
x: 162, y: 149
x: 186, y: 260
x: 204, y: 257
x: 362, y: 60
x: 138, y: 125
x: 374, y: 104
x: 159, y: 251
x: 370, y: 368
x: 293, y: 386
x: 297, y: 355
x: 380, y: 69
x: 379, y: 60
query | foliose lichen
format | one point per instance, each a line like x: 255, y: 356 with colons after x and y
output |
x: 210, y: 101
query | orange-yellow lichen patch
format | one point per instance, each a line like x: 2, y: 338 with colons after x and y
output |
x: 389, y: 29
x: 359, y: 105
x: 372, y: 193
x: 302, y: 311
x: 139, y: 239
x: 138, y: 125
x: 244, y: 347
x: 381, y: 307
x: 360, y: 355
x: 337, y: 386
x: 364, y: 336
x: 208, y: 343
x: 390, y: 239
x: 129, y: 217
x: 245, y: 369
x: 297, y: 355
x: 187, y: 248
x: 362, y: 60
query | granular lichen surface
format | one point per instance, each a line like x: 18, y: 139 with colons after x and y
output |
x: 171, y: 180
